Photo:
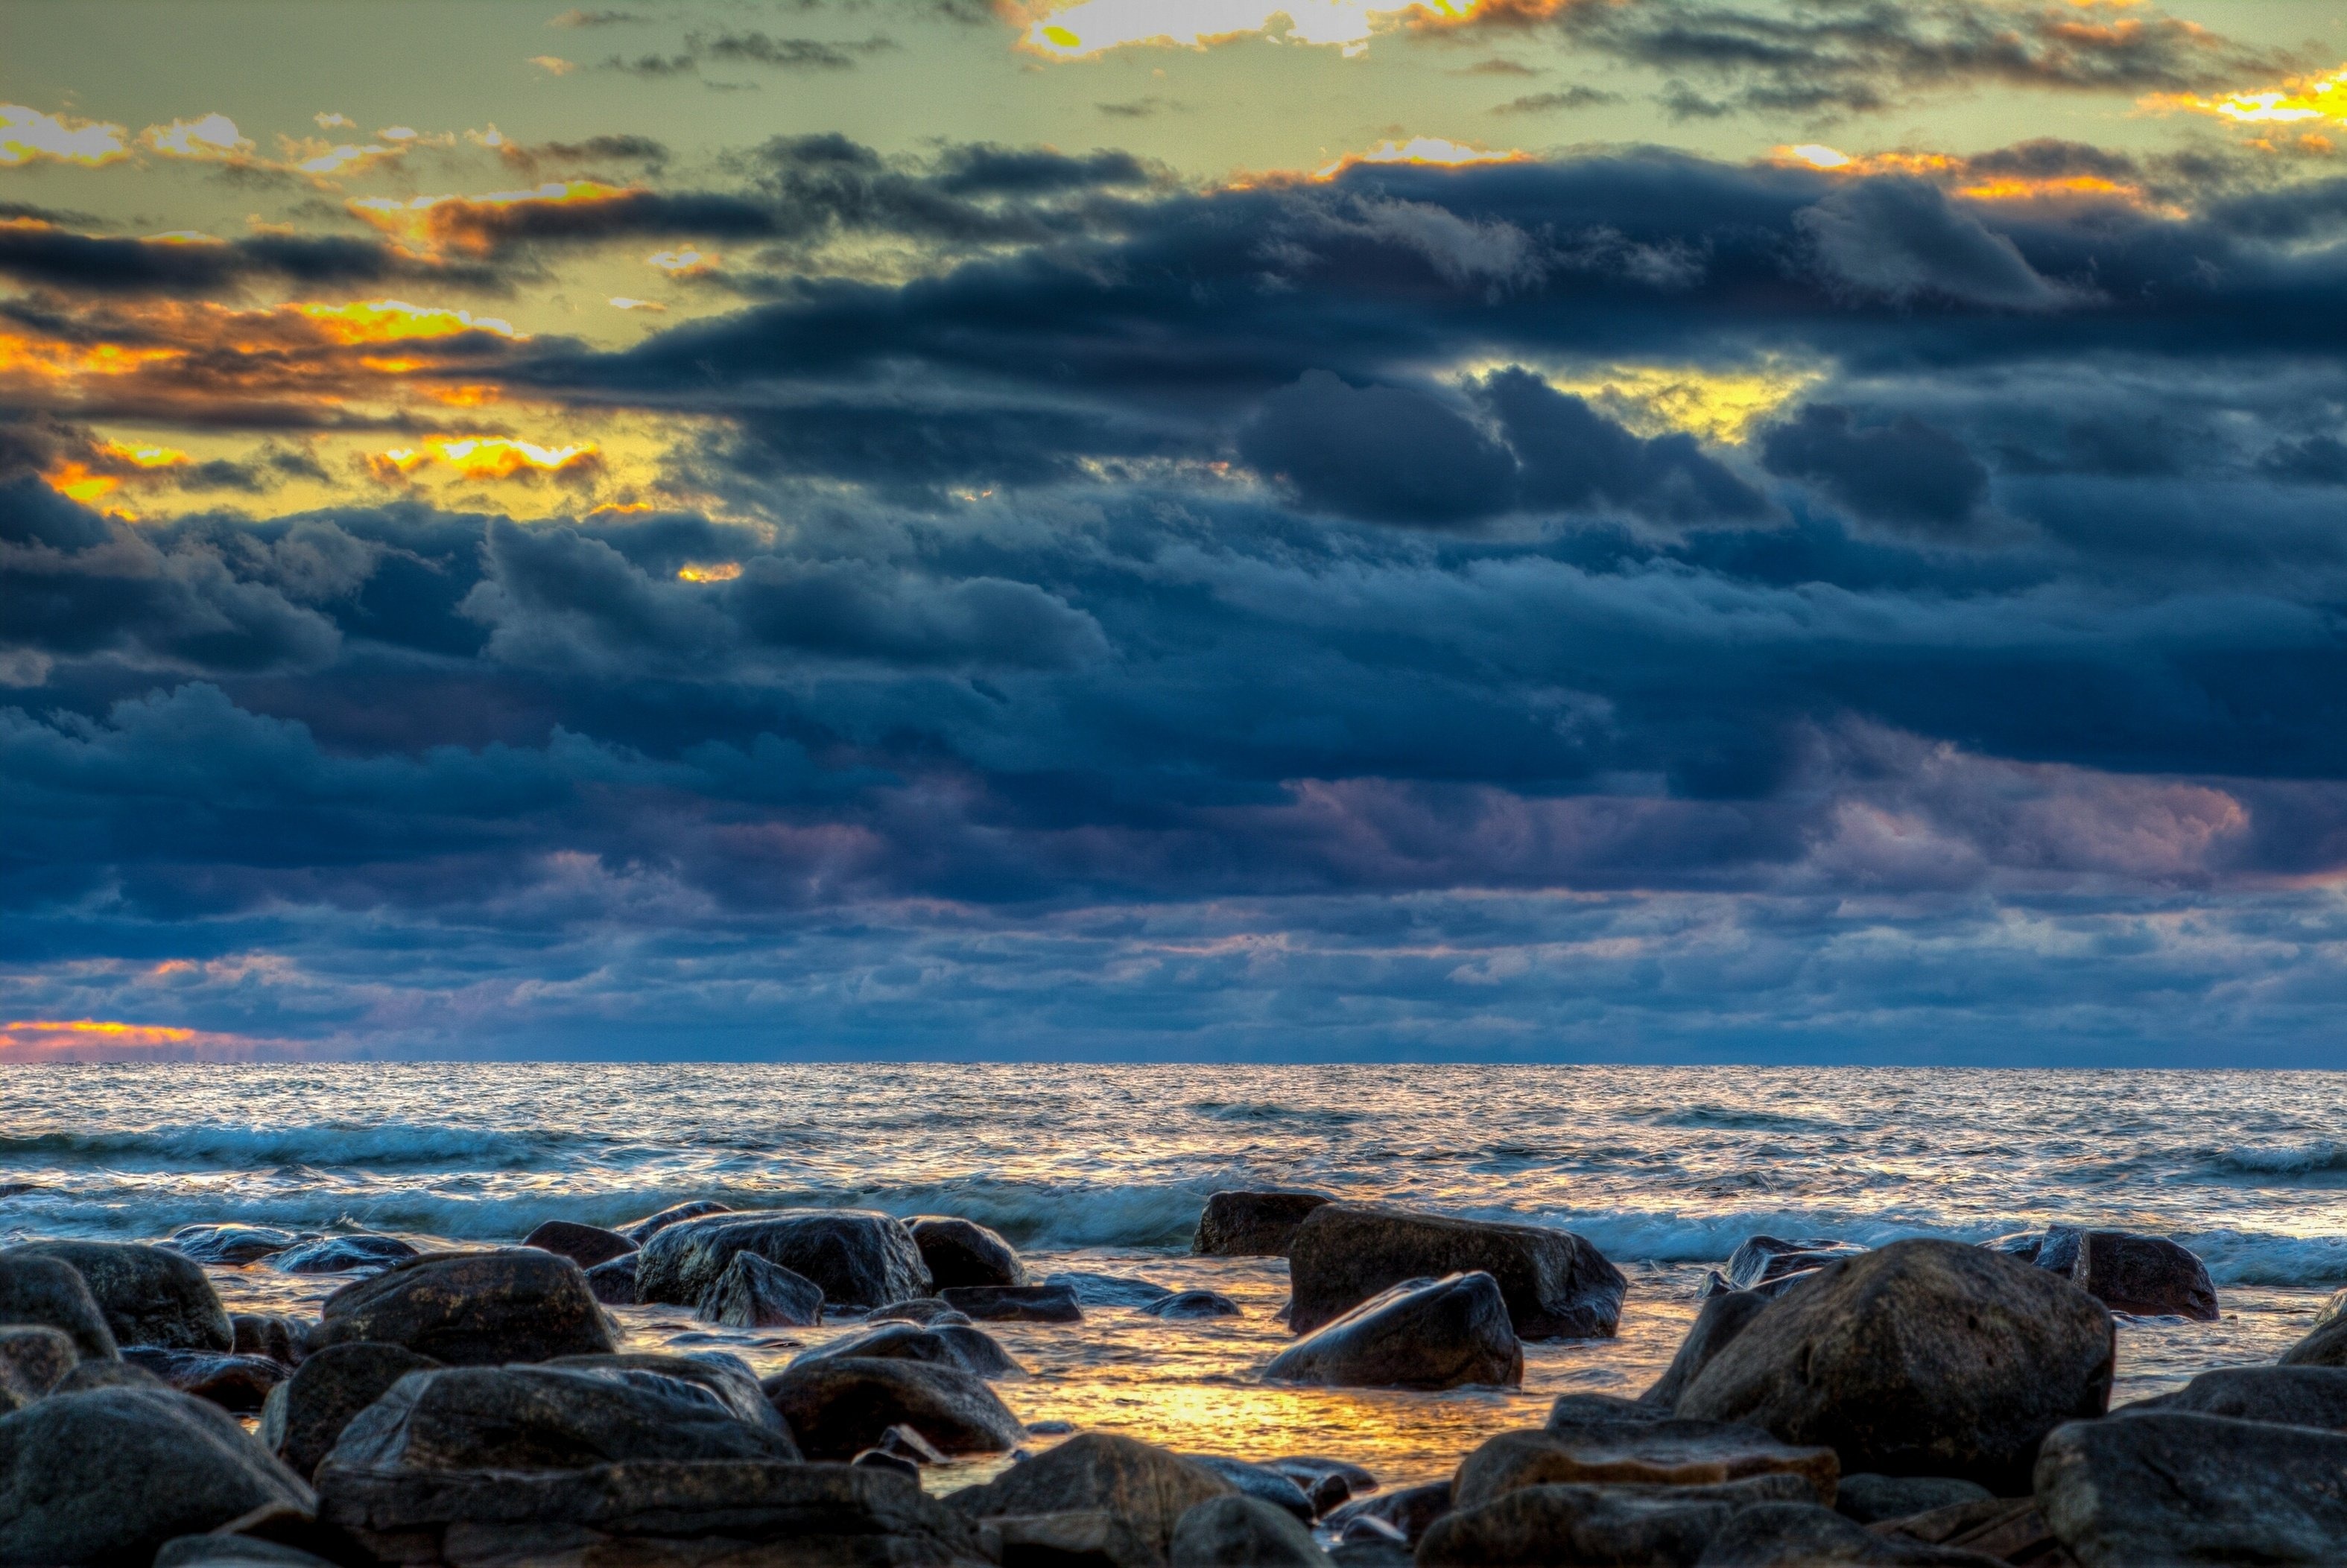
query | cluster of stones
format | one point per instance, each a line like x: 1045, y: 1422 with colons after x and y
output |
x: 1925, y: 1402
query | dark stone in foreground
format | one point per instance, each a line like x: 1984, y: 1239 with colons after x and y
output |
x: 585, y: 1245
x: 34, y: 1358
x: 1252, y: 1224
x: 2326, y: 1345
x: 1410, y: 1510
x: 1799, y: 1535
x: 1261, y: 1482
x: 1421, y: 1334
x: 150, y: 1295
x: 472, y: 1309
x: 217, y: 1551
x: 614, y: 1283
x: 922, y: 1309
x: 948, y: 1345
x: 1868, y: 1498
x: 647, y: 1514
x: 108, y: 1476
x: 962, y: 1251
x: 1326, y: 1481
x: 755, y: 1293
x: 726, y: 1377
x: 229, y: 1244
x: 1241, y: 1532
x: 1922, y: 1358
x: 1640, y: 1453
x: 643, y: 1230
x: 1143, y: 1490
x: 1722, y: 1318
x: 840, y: 1405
x: 2287, y: 1396
x: 1556, y: 1285
x: 270, y: 1334
x: 2144, y: 1276
x: 1765, y: 1260
x: 2180, y: 1487
x: 1014, y: 1303
x: 238, y: 1383
x: 36, y: 1289
x: 343, y: 1255
x: 859, y: 1257
x: 1599, y: 1524
x: 305, y: 1415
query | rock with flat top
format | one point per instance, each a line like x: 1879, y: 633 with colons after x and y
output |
x: 948, y: 1345
x: 755, y: 1293
x: 1596, y: 1524
x: 1420, y: 1334
x: 2142, y: 1275
x: 44, y: 1290
x: 472, y: 1309
x: 150, y: 1295
x: 1638, y: 1453
x: 304, y: 1416
x: 1139, y: 1491
x: 840, y: 1405
x: 1242, y: 1533
x: 2287, y: 1396
x: 585, y: 1245
x: 1109, y: 1289
x: 1556, y: 1285
x: 857, y: 1257
x: 1014, y: 1303
x: 2177, y: 1486
x: 1253, y: 1224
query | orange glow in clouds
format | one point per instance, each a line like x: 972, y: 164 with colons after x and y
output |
x: 2301, y: 101
x: 1428, y: 150
x: 476, y: 222
x: 483, y: 459
x: 105, y: 1039
x: 390, y: 320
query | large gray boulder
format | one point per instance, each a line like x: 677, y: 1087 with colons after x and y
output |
x: 527, y: 1418
x: 1922, y: 1358
x: 34, y: 1359
x: 2290, y: 1396
x: 2143, y: 1275
x: 2176, y: 1487
x: 1253, y: 1224
x: 858, y: 1256
x: 107, y: 1477
x: 841, y: 1406
x: 472, y: 1309
x: 38, y: 1290
x: 948, y: 1345
x: 150, y: 1295
x: 962, y: 1251
x: 1597, y: 1525
x: 1241, y: 1532
x: 585, y: 1245
x: 2326, y: 1344
x: 1721, y: 1318
x: 1143, y: 1491
x: 755, y: 1293
x: 1640, y: 1453
x: 304, y: 1416
x: 1420, y: 1334
x: 726, y: 1377
x: 1555, y: 1284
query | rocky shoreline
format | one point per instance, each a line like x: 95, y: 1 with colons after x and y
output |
x: 1922, y: 1402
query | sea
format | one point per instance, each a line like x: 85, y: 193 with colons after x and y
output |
x: 1105, y: 1169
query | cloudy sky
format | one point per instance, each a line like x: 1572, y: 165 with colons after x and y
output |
x: 1623, y: 529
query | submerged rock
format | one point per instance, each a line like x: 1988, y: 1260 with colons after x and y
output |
x: 1109, y: 1289
x: 1419, y: 1333
x: 858, y: 1257
x: 343, y: 1255
x: 643, y: 1230
x: 839, y: 1406
x: 229, y: 1244
x: 238, y: 1383
x: 150, y: 1295
x: 2144, y: 1276
x: 1253, y: 1224
x: 1241, y: 1532
x: 1410, y: 1510
x: 1922, y: 1358
x: 948, y: 1345
x: 2290, y: 1396
x: 1555, y: 1284
x: 1192, y: 1305
x: 614, y: 1283
x: 961, y: 1252
x: 921, y: 1309
x: 1141, y: 1490
x: 1014, y: 1303
x: 1260, y: 1482
x: 44, y: 1290
x: 106, y: 1477
x: 305, y: 1415
x: 585, y: 1245
x: 755, y: 1293
x: 1640, y: 1453
x: 2174, y: 1487
x: 471, y: 1309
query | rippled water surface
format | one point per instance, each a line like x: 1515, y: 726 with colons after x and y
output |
x: 1105, y: 1168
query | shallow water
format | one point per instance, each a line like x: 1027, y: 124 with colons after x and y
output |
x: 1105, y: 1169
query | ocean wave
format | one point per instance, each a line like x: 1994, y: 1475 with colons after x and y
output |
x: 382, y: 1144
x: 1271, y: 1110
x: 2320, y: 1156
x: 2249, y: 1257
x: 1733, y: 1119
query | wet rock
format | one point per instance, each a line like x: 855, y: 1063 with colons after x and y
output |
x: 304, y: 1416
x: 614, y: 1283
x: 1799, y: 1535
x: 647, y: 1514
x: 91, y: 1375
x: 1260, y: 1482
x: 1014, y: 1303
x: 281, y: 1338
x: 343, y: 1255
x: 43, y: 1290
x: 725, y: 1377
x: 150, y: 1295
x: 858, y: 1257
x: 1768, y: 1263
x: 880, y: 1458
x: 1409, y: 1510
x: 585, y: 1245
x: 960, y: 1252
x: 34, y: 1358
x: 1573, y: 1410
x: 1252, y: 1224
x: 1556, y: 1286
x: 921, y: 1309
x: 108, y: 1476
x: 548, y: 1417
x: 1109, y: 1289
x: 1922, y: 1358
x: 905, y: 1443
x: 1722, y: 1318
x: 951, y: 1344
x: 2144, y: 1275
x: 2184, y: 1488
x: 755, y: 1293
x: 1190, y: 1304
x: 231, y: 1550
x: 839, y: 1406
x: 1868, y: 1498
x: 1139, y: 1491
x: 1607, y: 1524
x: 1430, y: 1333
x: 472, y: 1309
x: 238, y: 1383
x: 2326, y: 1344
x: 229, y: 1244
x: 2290, y: 1396
x: 1242, y: 1532
x: 1328, y: 1482
x: 643, y: 1230
x: 1640, y: 1453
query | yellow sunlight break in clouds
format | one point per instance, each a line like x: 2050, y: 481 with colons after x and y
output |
x: 26, y: 134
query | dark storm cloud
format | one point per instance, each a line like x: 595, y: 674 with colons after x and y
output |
x: 1902, y: 472
x: 105, y: 264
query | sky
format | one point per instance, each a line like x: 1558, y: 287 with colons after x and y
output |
x: 1652, y: 530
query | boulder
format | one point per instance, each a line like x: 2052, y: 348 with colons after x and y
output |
x: 1802, y: 1534
x: 920, y: 1309
x: 1409, y: 1511
x: 343, y: 1255
x: 652, y: 1513
x: 1639, y: 1453
x: 1556, y: 1286
x: 529, y: 1417
x: 2009, y: 1529
x: 1870, y: 1499
x: 108, y: 1476
x: 2143, y: 1275
x: 1768, y: 1264
x: 1014, y: 1303
x: 1607, y: 1524
x: 1252, y: 1224
x: 1430, y: 1333
x: 585, y: 1245
x: 220, y: 1550
x: 270, y: 1334
x: 472, y: 1309
x: 726, y: 1377
x: 1261, y: 1482
x: 755, y: 1293
x: 950, y: 1345
x: 44, y: 1290
x: 839, y: 1406
x: 614, y: 1283
x: 2289, y: 1396
x: 858, y: 1257
x: 643, y: 1230
x: 304, y: 1416
x: 1241, y: 1532
x: 2177, y: 1486
x: 1722, y: 1318
x: 229, y: 1244
x: 960, y: 1252
x: 1922, y: 1358
x: 1109, y: 1289
x: 117, y: 1374
x: 2326, y: 1344
x: 238, y: 1383
x: 1141, y: 1489
x: 1328, y: 1482
x: 34, y: 1358
x: 1581, y: 1410
x: 1185, y: 1306
x: 150, y: 1295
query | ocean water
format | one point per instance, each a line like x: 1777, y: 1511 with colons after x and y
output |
x: 1106, y: 1168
